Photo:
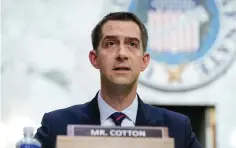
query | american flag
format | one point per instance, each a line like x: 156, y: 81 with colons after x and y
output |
x: 172, y: 39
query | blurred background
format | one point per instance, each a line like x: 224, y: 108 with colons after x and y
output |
x: 45, y: 66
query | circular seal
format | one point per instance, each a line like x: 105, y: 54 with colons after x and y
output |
x: 191, y: 42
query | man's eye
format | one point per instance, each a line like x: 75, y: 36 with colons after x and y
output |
x: 110, y: 43
x: 133, y: 44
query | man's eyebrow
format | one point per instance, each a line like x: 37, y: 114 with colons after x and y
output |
x: 133, y: 39
x: 110, y: 37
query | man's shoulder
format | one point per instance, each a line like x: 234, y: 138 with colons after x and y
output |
x: 179, y: 126
x: 78, y: 109
x: 166, y: 114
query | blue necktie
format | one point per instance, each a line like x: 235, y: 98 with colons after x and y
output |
x: 118, y: 117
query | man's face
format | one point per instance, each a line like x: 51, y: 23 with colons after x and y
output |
x: 120, y: 57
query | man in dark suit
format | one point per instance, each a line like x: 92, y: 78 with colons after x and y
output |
x: 119, y: 52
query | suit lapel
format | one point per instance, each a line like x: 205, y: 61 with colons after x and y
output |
x: 145, y: 116
x: 91, y: 114
x: 141, y: 119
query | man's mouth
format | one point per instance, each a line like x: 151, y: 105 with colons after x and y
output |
x: 121, y: 68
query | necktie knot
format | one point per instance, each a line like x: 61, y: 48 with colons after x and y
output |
x: 117, y: 118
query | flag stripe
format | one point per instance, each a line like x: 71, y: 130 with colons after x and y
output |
x: 182, y: 39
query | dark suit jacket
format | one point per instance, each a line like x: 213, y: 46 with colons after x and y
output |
x: 55, y: 123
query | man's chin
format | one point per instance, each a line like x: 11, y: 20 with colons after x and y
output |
x: 122, y: 82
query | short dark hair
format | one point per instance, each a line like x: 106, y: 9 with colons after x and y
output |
x: 119, y: 16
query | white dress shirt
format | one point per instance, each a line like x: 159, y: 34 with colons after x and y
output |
x: 106, y: 111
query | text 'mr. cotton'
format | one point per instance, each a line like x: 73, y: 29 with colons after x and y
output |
x: 118, y: 132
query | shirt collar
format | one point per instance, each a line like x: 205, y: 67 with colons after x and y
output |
x: 106, y: 110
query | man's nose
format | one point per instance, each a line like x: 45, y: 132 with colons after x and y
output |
x: 122, y: 53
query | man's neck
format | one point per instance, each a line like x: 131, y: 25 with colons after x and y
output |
x: 117, y: 96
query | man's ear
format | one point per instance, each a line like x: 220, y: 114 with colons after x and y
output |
x: 146, y: 60
x: 93, y: 58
